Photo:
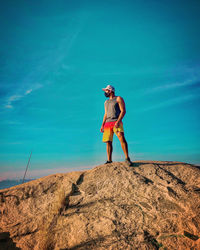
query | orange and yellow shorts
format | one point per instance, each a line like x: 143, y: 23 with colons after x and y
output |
x: 109, y: 130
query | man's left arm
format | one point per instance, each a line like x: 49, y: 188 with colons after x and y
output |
x: 122, y: 108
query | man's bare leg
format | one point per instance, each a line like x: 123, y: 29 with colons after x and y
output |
x: 109, y: 150
x: 123, y: 142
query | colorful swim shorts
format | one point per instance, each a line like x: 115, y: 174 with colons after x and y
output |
x: 109, y: 130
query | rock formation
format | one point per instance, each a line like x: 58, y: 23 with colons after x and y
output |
x: 150, y: 205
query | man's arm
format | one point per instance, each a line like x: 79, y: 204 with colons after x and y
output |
x: 122, y: 108
x: 105, y: 115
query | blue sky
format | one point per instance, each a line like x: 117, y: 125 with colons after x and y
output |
x: 56, y: 56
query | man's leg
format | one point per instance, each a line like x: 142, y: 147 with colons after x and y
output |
x: 109, y: 150
x: 123, y: 142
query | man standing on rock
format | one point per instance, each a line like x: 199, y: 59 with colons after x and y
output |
x: 112, y: 123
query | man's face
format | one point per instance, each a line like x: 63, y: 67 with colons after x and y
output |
x: 108, y: 91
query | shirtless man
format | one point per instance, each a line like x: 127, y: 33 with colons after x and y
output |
x: 112, y: 123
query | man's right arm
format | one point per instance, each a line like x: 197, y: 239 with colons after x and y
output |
x: 105, y: 115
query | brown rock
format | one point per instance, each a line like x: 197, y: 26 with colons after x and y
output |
x: 149, y: 205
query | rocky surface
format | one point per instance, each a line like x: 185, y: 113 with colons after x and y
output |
x: 150, y: 205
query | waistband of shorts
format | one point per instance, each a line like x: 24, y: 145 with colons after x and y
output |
x: 110, y: 124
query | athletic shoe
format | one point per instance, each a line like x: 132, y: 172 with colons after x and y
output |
x: 108, y: 162
x: 128, y: 162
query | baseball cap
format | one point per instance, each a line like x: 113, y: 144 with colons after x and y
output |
x: 109, y: 87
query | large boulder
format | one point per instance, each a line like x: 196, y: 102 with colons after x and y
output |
x: 150, y: 205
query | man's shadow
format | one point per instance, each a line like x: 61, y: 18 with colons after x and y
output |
x: 6, y: 242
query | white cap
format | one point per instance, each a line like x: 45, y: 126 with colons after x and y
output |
x: 109, y: 87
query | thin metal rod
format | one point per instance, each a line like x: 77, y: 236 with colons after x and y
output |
x: 26, y: 167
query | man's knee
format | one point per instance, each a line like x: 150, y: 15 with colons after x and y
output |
x: 109, y: 142
x: 120, y: 135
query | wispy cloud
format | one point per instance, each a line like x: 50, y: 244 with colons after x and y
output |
x: 13, y: 98
x: 28, y: 91
x: 171, y: 102
x: 67, y: 42
x: 169, y: 86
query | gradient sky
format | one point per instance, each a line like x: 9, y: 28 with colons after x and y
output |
x: 56, y: 56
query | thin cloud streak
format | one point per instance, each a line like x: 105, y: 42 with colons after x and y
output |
x: 16, y: 97
x: 170, y: 86
x: 170, y: 102
x: 28, y: 91
x: 11, y: 99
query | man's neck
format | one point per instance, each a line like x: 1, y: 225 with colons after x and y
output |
x: 112, y: 96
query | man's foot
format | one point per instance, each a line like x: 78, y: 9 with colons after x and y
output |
x: 108, y: 162
x: 128, y: 161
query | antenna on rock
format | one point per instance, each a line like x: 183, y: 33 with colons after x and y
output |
x: 27, y: 167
